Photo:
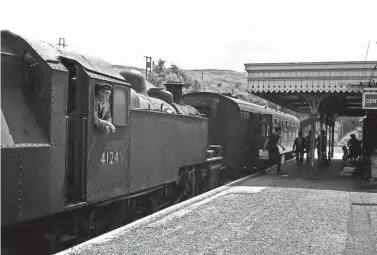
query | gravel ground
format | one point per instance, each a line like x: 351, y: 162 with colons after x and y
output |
x: 250, y: 220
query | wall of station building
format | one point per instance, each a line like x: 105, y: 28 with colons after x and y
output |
x: 370, y: 132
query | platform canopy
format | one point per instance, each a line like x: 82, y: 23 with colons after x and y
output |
x: 335, y: 88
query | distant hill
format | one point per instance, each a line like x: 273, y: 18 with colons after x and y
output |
x: 213, y: 79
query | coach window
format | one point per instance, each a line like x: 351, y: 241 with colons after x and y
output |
x: 268, y: 130
x: 120, y: 106
x: 264, y: 130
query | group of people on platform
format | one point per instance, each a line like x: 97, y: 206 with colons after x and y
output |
x: 301, y: 146
x: 354, y: 154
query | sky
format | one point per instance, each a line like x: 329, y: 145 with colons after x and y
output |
x: 201, y: 34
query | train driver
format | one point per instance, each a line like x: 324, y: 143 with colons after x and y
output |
x: 102, y: 111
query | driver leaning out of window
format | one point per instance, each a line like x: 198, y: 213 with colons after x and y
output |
x: 102, y: 110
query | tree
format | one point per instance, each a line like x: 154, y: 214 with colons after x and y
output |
x: 160, y: 67
x: 236, y: 86
x: 161, y: 74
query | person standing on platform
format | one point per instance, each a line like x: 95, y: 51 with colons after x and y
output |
x: 354, y: 146
x: 307, y: 146
x: 299, y: 149
x: 271, y: 145
x: 321, y: 150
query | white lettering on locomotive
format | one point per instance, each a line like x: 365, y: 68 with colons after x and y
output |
x: 111, y: 157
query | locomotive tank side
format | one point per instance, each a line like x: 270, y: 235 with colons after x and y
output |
x: 164, y: 143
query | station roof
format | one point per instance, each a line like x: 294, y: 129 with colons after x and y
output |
x: 288, y: 84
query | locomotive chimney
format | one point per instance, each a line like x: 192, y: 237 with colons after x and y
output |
x: 176, y: 89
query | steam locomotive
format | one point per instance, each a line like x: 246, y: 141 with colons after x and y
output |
x: 64, y: 181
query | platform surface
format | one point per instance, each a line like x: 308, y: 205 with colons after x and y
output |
x: 310, y: 211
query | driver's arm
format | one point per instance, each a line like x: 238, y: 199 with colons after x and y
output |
x: 97, y: 121
x: 107, y: 116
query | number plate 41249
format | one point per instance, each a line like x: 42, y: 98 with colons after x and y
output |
x: 111, y: 157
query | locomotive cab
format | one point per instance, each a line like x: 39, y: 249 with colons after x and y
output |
x: 47, y: 111
x: 95, y: 160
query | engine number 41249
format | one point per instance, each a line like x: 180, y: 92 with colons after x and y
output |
x: 110, y: 157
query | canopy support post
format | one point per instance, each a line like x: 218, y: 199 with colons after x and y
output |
x: 320, y: 152
x: 332, y: 140
x: 314, y: 102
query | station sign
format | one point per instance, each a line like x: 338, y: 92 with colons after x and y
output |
x: 370, y: 100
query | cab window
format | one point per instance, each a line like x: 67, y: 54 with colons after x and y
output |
x: 120, y: 105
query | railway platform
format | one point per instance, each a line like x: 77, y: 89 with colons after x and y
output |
x: 310, y: 210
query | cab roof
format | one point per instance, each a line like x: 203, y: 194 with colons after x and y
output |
x: 16, y: 45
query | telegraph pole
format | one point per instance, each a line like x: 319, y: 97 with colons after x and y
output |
x: 148, y: 66
x: 62, y: 42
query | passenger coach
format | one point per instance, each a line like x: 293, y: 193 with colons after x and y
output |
x: 227, y: 124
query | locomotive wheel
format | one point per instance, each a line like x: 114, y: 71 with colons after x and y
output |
x: 148, y: 206
x: 92, y: 226
x: 197, y: 188
x: 185, y: 186
x: 153, y: 205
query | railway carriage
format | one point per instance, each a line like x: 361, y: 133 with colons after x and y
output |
x: 227, y: 124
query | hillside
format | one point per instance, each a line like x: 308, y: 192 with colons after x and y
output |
x: 222, y: 81
x: 214, y: 80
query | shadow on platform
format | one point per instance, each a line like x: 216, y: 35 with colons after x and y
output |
x: 321, y: 177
